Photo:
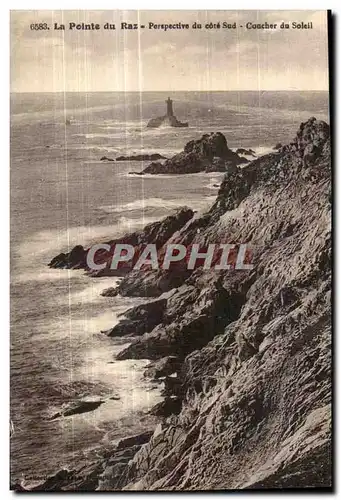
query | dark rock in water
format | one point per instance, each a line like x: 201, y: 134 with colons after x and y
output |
x: 105, y: 158
x: 143, y: 157
x: 210, y: 154
x: 73, y: 260
x: 163, y: 367
x: 278, y: 146
x: 77, y: 408
x: 136, y: 173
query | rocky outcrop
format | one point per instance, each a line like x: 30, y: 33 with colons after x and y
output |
x: 249, y: 407
x: 210, y: 154
x: 76, y: 259
x: 143, y: 157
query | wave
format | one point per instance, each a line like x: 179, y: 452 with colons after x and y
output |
x: 158, y: 203
x: 142, y: 204
x: 35, y: 253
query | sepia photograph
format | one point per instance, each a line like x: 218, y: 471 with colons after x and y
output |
x: 170, y: 250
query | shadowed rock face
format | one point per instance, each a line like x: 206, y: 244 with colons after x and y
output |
x: 250, y: 406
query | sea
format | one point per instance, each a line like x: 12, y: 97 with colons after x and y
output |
x: 63, y: 195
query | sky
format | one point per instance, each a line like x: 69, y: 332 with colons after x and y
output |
x: 155, y: 60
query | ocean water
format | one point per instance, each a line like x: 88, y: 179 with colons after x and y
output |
x: 61, y: 195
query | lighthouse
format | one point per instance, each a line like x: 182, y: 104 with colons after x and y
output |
x: 168, y: 119
x: 169, y: 103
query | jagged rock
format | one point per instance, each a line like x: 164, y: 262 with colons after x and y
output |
x: 210, y: 153
x: 138, y: 439
x: 76, y: 259
x: 170, y: 406
x: 181, y: 334
x: 278, y: 146
x: 143, y: 157
x: 139, y: 319
x: 163, y: 367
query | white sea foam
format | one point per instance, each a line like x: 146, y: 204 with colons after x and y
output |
x: 40, y: 248
x: 158, y: 203
x: 262, y: 150
x: 143, y: 204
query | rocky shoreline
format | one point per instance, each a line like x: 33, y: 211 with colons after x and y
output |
x: 245, y: 356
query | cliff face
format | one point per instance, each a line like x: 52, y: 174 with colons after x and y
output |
x: 255, y: 345
x: 249, y: 406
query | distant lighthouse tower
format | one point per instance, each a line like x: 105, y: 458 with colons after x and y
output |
x: 169, y: 103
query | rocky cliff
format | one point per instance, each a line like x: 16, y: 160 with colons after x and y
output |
x: 248, y: 402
